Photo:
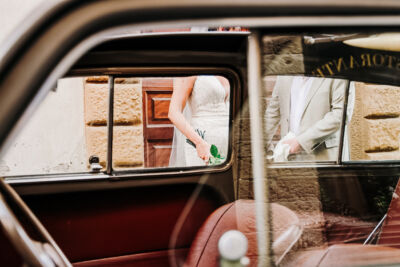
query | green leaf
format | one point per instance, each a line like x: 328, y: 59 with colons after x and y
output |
x: 214, y: 151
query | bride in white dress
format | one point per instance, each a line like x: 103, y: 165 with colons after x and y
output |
x: 199, y: 104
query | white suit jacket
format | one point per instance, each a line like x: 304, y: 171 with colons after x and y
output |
x: 321, y: 118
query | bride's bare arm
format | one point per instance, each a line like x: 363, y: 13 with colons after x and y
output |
x: 182, y: 89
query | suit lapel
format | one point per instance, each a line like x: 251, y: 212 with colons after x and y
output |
x: 316, y: 84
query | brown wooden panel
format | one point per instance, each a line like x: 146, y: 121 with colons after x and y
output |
x: 157, y: 84
x: 158, y: 129
x: 158, y: 153
x: 160, y: 133
x: 162, y: 153
x: 160, y: 107
x: 157, y: 106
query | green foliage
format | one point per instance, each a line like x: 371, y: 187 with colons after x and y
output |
x: 216, y: 157
x: 214, y: 151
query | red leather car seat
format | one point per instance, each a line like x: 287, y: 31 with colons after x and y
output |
x: 239, y: 215
x: 346, y: 255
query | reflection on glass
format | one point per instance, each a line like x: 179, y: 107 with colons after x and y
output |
x: 348, y: 216
x: 309, y: 112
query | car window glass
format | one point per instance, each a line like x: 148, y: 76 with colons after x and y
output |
x: 331, y: 205
x: 68, y: 132
x: 149, y: 133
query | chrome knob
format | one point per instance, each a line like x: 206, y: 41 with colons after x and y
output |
x: 232, y: 248
x: 94, y: 162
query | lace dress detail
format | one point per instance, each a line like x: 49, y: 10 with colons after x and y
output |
x: 209, y: 108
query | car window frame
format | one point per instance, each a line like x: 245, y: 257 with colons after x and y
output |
x: 266, y: 22
x: 168, y: 72
x: 148, y: 72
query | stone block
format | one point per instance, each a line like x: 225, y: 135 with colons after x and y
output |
x: 245, y: 189
x: 381, y: 135
x: 128, y: 145
x: 355, y: 135
x: 303, y: 205
x: 374, y: 129
x: 96, y: 79
x: 282, y: 45
x: 283, y: 64
x: 104, y: 79
x: 128, y: 81
x: 292, y: 189
x: 245, y: 130
x: 241, y: 130
x: 245, y: 168
x: 127, y: 103
x: 96, y: 143
x: 282, y: 55
x: 391, y: 155
x: 244, y: 149
x: 379, y: 101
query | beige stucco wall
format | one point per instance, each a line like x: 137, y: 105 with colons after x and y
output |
x: 53, y: 139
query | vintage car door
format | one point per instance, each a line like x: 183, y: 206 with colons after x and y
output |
x: 122, y: 211
x: 109, y: 211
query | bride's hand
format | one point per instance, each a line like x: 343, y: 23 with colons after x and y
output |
x: 203, y: 151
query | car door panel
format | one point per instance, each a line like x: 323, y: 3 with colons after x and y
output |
x: 137, y: 221
x: 157, y: 258
x: 8, y: 254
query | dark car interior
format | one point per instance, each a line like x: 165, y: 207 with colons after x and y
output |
x: 126, y: 208
x: 318, y: 212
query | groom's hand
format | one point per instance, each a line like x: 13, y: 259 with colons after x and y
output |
x: 295, y: 147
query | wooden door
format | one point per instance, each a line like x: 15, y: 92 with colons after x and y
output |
x: 157, y: 128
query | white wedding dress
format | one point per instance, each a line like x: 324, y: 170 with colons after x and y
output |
x: 207, y: 110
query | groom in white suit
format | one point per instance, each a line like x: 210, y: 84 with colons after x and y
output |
x: 311, y: 108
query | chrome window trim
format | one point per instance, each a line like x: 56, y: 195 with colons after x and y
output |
x: 257, y: 149
x: 33, y: 179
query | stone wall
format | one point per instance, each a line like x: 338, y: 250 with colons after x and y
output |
x: 282, y: 55
x: 128, y: 147
x: 374, y: 129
